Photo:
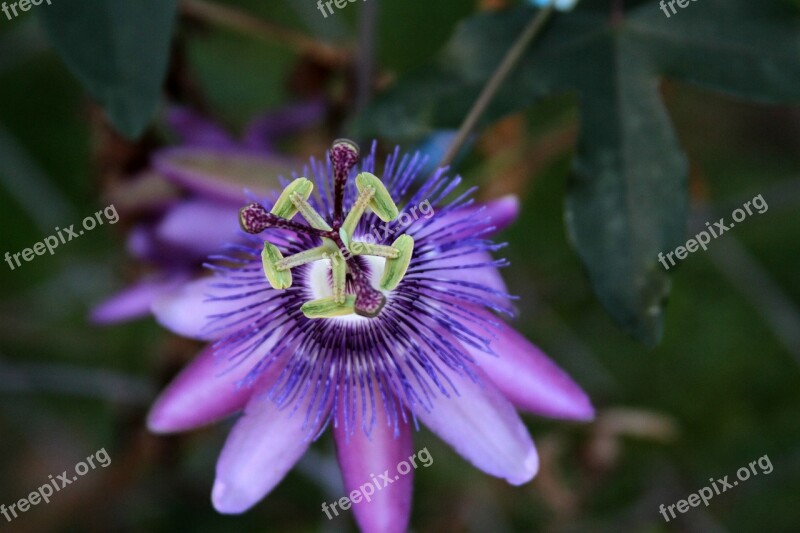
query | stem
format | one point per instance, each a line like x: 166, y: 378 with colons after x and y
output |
x: 366, y: 54
x: 512, y: 57
x: 233, y: 18
x: 617, y: 12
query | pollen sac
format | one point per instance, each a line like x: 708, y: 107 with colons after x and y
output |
x: 396, y: 268
x: 285, y: 207
x: 381, y: 202
x: 329, y: 308
x: 279, y: 279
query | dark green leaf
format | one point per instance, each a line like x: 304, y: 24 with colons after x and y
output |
x: 118, y: 49
x: 627, y: 200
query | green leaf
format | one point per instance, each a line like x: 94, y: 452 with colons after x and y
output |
x: 118, y: 50
x: 627, y: 200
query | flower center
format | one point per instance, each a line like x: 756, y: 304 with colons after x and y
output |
x: 350, y: 282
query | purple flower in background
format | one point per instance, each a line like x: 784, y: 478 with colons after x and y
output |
x: 191, y: 194
x: 368, y: 320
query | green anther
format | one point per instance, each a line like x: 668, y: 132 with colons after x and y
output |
x: 301, y: 258
x: 381, y: 201
x: 339, y: 271
x: 309, y: 213
x: 362, y: 202
x: 285, y: 207
x: 396, y: 268
x: 328, y: 308
x: 270, y: 257
x: 377, y: 250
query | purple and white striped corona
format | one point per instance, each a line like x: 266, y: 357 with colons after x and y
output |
x: 353, y: 306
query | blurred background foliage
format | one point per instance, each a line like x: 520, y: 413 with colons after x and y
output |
x: 719, y: 391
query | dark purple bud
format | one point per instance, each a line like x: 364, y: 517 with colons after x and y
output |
x: 254, y: 218
x: 369, y: 302
x: 344, y: 156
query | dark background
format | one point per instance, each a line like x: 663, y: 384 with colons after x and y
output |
x: 720, y: 391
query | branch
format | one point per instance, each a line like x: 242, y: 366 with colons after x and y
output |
x: 235, y: 19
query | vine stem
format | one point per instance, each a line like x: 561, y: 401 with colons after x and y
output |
x: 236, y: 19
x: 506, y: 66
x: 366, y: 54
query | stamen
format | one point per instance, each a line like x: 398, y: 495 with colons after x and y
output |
x: 381, y: 202
x: 339, y: 271
x: 375, y: 250
x: 270, y: 258
x: 354, y: 216
x: 372, y: 194
x: 309, y: 213
x: 328, y: 308
x: 302, y: 258
x: 395, y: 268
x: 285, y: 207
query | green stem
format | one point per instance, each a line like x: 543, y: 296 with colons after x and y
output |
x: 512, y: 57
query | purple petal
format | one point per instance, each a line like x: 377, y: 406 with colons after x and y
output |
x: 484, y: 428
x: 263, y: 446
x: 204, y: 392
x: 196, y: 130
x: 266, y: 129
x: 222, y: 174
x: 527, y: 377
x: 488, y: 276
x: 466, y: 268
x: 499, y: 213
x: 200, y: 227
x: 387, y: 510
x: 141, y: 243
x: 503, y: 211
x: 133, y: 302
x: 189, y: 309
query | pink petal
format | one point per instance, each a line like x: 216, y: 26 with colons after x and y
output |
x: 204, y: 392
x: 201, y: 226
x: 188, y: 309
x: 387, y: 510
x: 196, y: 130
x: 263, y: 446
x: 501, y: 212
x: 222, y: 174
x: 527, y: 377
x: 265, y: 129
x: 134, y: 301
x: 465, y: 268
x: 498, y: 213
x: 484, y: 428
